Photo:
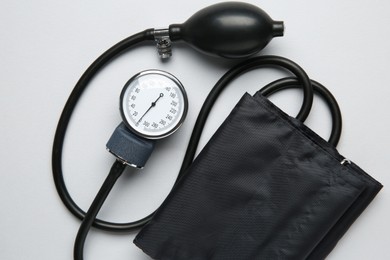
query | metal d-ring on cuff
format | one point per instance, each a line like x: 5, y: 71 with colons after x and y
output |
x: 345, y: 161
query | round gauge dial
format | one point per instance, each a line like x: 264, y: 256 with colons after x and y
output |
x: 153, y: 104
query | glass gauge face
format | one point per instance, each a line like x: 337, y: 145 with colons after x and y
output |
x: 153, y: 104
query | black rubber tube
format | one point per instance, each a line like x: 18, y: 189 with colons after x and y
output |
x: 115, y: 172
x: 64, y: 121
x: 289, y: 82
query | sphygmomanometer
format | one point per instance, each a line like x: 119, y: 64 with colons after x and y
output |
x: 153, y: 105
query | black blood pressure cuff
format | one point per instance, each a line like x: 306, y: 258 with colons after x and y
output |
x: 264, y: 187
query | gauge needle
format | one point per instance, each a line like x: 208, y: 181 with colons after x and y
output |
x: 151, y: 106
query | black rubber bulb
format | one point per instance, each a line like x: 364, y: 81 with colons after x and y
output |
x: 230, y: 30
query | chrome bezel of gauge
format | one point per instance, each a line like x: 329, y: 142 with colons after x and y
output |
x: 171, y: 77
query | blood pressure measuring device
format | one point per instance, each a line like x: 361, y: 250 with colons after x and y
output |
x: 153, y: 104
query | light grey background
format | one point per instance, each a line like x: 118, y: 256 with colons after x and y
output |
x: 46, y: 45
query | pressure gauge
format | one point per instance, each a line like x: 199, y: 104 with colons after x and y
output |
x: 153, y: 104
